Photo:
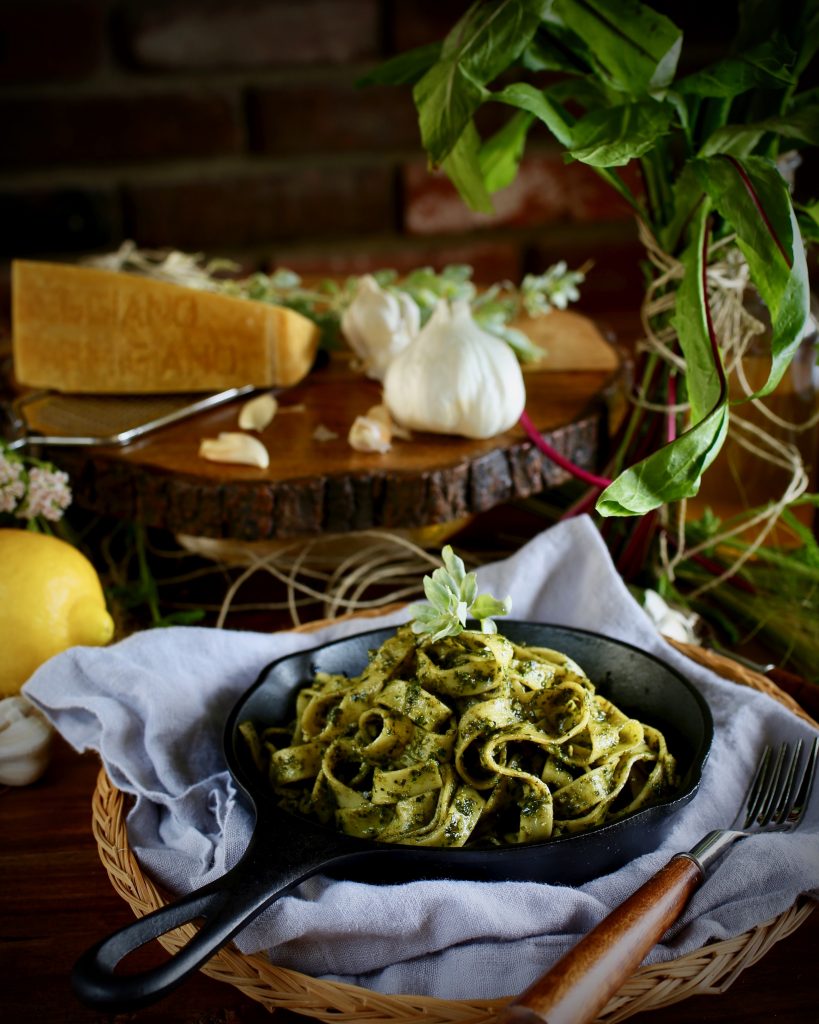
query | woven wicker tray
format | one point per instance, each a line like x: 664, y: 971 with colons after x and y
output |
x: 707, y: 971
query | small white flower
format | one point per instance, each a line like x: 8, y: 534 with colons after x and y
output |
x: 12, y: 483
x: 378, y: 324
x: 48, y: 494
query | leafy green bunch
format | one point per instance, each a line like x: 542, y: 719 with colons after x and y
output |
x: 706, y: 142
x: 453, y: 598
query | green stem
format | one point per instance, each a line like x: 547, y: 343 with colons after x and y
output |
x: 146, y: 579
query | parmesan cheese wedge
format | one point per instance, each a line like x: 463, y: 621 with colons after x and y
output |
x: 80, y: 329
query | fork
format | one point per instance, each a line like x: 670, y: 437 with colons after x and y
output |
x: 582, y: 982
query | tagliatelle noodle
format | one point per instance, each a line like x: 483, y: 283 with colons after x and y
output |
x: 471, y: 739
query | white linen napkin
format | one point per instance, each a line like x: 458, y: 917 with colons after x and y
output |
x: 154, y: 706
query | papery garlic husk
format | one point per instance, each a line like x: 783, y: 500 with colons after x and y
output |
x: 242, y: 449
x: 257, y: 413
x: 670, y: 621
x: 379, y: 324
x: 455, y: 378
x: 25, y: 741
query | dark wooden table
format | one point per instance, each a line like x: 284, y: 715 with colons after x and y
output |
x: 57, y: 900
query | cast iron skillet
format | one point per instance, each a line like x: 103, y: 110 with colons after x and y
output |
x: 285, y: 850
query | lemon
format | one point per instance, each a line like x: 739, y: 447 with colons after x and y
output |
x: 50, y: 599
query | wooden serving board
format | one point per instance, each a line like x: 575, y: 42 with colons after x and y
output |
x: 314, y: 486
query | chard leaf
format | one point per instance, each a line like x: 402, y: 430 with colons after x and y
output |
x: 446, y: 98
x: 483, y: 43
x: 766, y: 66
x: 704, y: 372
x: 674, y: 471
x: 534, y: 101
x: 754, y: 200
x: 635, y: 47
x: 556, y: 51
x: 687, y: 194
x: 671, y: 473
x: 740, y: 140
x: 808, y: 218
x: 613, y: 137
x: 463, y: 168
x: 500, y: 156
x: 405, y: 69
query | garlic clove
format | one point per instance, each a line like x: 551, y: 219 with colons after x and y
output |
x: 25, y: 742
x: 372, y: 432
x: 235, y: 447
x: 258, y: 412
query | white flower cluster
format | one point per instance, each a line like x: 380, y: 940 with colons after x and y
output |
x: 30, y: 489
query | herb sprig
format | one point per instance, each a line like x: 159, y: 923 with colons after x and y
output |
x: 324, y: 301
x: 453, y: 598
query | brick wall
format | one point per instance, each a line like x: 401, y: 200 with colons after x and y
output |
x: 236, y: 128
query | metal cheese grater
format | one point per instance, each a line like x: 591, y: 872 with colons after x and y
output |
x: 48, y: 418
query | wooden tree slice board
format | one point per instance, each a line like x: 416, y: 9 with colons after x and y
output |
x: 318, y: 486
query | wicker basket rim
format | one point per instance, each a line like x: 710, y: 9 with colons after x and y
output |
x: 709, y: 970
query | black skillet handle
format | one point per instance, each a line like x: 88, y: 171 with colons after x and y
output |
x: 226, y: 906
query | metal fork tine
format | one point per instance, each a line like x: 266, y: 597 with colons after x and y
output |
x: 800, y: 801
x: 788, y: 790
x: 758, y: 789
x: 773, y: 788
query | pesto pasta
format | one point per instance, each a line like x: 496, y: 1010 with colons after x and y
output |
x: 468, y: 739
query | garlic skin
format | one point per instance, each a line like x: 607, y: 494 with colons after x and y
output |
x: 379, y: 324
x: 235, y: 447
x: 25, y: 742
x: 455, y: 378
x: 671, y: 622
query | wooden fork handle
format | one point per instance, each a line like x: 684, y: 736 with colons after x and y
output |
x: 582, y: 982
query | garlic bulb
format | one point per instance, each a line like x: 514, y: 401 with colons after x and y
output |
x: 25, y: 742
x: 379, y: 324
x: 455, y: 378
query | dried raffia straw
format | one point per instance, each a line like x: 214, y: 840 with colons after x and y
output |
x: 336, y: 571
x: 707, y: 971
